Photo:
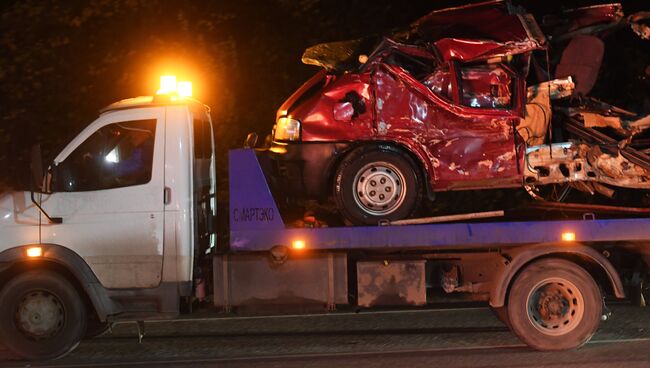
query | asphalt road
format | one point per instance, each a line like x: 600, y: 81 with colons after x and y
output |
x: 466, y: 337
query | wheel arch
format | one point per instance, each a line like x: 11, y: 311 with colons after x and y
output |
x: 592, y: 261
x: 418, y: 159
x: 65, y: 262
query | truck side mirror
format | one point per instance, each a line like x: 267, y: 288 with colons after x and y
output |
x: 348, y: 108
x: 36, y: 167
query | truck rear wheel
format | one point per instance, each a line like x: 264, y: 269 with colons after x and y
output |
x: 42, y: 315
x: 554, y: 304
x: 377, y: 184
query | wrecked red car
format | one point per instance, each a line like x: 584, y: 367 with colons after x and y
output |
x: 444, y: 105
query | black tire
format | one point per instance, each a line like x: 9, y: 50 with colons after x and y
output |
x: 554, y: 305
x: 53, y: 315
x: 399, y: 187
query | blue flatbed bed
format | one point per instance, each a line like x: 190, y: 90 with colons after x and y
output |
x: 256, y: 225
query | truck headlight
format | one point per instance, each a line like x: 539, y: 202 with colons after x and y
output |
x: 287, y: 129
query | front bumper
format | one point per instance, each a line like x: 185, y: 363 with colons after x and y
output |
x: 302, y: 170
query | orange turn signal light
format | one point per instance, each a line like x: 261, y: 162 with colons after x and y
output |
x: 568, y: 236
x: 34, y: 252
x: 298, y: 244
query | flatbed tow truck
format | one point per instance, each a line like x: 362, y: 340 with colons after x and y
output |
x: 101, y: 242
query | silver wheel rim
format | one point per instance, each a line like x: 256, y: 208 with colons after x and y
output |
x: 555, y: 306
x: 40, y: 315
x: 379, y: 188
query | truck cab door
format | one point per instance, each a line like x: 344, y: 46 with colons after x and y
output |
x: 108, y: 188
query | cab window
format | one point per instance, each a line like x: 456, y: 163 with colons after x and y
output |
x: 485, y: 86
x: 439, y: 82
x: 202, y: 139
x: 116, y: 155
x: 417, y: 67
x: 481, y: 85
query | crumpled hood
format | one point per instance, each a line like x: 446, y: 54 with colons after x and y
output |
x: 494, y: 22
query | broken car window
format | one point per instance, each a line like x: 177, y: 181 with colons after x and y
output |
x: 416, y: 66
x: 485, y: 86
x: 439, y: 82
x: 482, y: 86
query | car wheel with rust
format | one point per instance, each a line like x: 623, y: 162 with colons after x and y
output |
x: 554, y: 304
x: 42, y: 315
x: 377, y: 184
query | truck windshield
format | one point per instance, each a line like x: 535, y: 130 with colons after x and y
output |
x: 117, y: 155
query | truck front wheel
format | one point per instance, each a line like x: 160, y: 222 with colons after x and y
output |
x: 374, y: 184
x: 554, y: 304
x: 42, y: 315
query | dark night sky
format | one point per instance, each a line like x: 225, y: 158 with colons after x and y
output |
x: 62, y: 61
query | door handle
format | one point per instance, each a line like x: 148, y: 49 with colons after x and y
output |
x: 167, y: 195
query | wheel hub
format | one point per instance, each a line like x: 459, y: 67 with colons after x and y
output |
x: 552, y: 306
x: 379, y: 188
x: 555, y: 306
x: 39, y: 315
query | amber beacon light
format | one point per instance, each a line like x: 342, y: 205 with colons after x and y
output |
x: 170, y: 86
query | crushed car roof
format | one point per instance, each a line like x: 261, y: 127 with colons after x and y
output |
x: 454, y: 32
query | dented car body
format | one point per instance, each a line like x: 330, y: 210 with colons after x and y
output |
x: 448, y: 97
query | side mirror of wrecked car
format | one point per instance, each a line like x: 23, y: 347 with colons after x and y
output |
x: 343, y: 111
x: 251, y: 140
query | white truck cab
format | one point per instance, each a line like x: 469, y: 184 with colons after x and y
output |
x: 127, y: 207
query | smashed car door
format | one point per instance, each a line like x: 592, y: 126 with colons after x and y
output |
x: 467, y: 129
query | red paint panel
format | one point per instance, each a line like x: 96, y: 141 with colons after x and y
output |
x: 469, y: 50
x: 317, y: 112
x: 465, y: 150
x: 597, y: 14
x: 488, y: 20
x: 320, y: 77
